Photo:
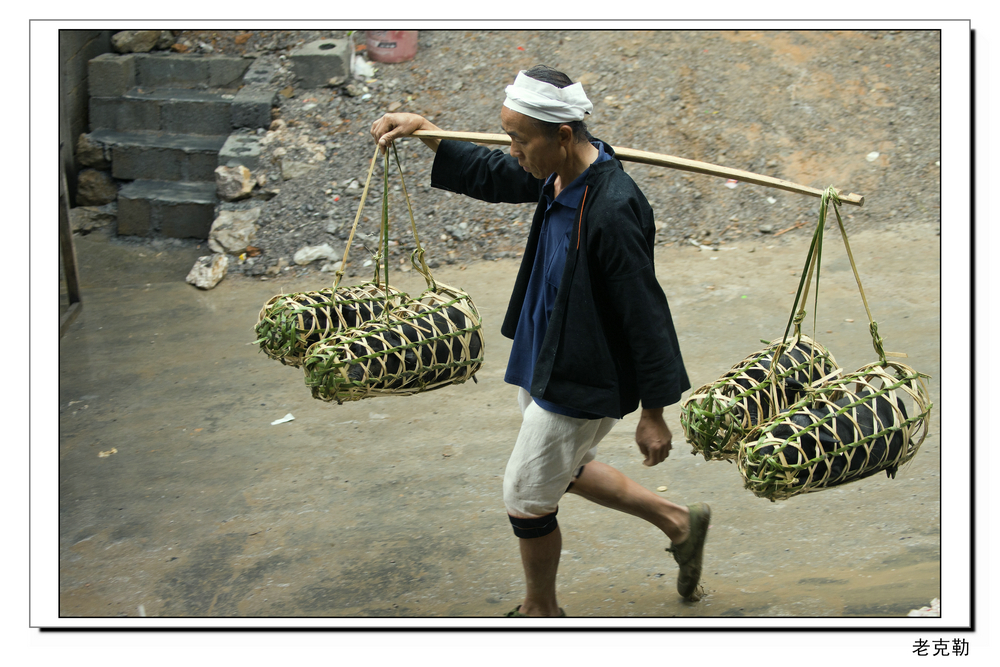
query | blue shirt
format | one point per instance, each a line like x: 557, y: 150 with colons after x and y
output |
x: 546, y: 273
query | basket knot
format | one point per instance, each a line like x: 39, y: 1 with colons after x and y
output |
x: 877, y: 341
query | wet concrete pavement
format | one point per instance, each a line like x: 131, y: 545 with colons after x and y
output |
x: 391, y: 507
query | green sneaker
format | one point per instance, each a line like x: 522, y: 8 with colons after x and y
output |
x: 688, y: 553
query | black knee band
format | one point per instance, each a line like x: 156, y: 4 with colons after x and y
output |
x: 537, y: 527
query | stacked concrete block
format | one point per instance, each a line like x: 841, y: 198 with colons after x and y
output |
x: 253, y: 103
x: 252, y: 107
x: 179, y: 111
x: 172, y: 208
x: 180, y: 70
x: 111, y: 75
x: 168, y: 120
x: 191, y: 71
x: 323, y: 62
x: 158, y: 156
x: 240, y: 149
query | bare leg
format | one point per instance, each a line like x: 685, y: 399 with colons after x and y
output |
x: 604, y: 485
x: 540, y: 559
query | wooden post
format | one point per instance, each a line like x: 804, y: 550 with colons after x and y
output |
x: 68, y: 252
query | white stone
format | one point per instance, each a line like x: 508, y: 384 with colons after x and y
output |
x: 85, y: 219
x: 233, y: 183
x: 232, y: 231
x: 208, y: 271
x: 290, y: 169
x: 135, y: 41
x: 312, y: 253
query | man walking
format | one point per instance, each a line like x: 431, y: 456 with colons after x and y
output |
x: 593, y: 337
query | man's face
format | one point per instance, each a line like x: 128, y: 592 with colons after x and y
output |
x: 537, y: 153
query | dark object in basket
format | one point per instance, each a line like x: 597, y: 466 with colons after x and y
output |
x: 839, y: 434
x: 869, y: 415
x: 289, y: 323
x: 716, y: 416
x: 424, y: 345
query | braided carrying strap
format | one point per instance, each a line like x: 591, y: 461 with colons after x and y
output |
x: 410, y: 346
x: 801, y: 424
x: 814, y: 260
x: 853, y: 427
x: 289, y: 324
x: 417, y: 256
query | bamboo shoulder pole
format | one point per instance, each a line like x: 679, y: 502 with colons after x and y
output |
x: 661, y: 160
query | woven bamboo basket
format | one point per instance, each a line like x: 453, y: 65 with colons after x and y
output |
x: 419, y: 346
x: 865, y: 422
x: 717, y: 416
x: 289, y: 323
x: 372, y: 339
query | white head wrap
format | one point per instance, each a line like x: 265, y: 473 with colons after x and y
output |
x: 547, y: 102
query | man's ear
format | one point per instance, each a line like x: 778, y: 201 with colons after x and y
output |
x: 565, y: 134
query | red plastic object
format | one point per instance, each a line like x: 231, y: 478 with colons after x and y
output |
x: 391, y: 46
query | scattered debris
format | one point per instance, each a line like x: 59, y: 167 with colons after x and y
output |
x: 800, y: 223
x: 362, y: 68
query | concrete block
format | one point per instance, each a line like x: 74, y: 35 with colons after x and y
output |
x: 110, y: 75
x: 200, y: 166
x: 182, y: 220
x: 260, y: 73
x: 160, y: 156
x: 241, y: 149
x: 194, y: 115
x: 123, y: 113
x: 131, y: 162
x: 134, y: 214
x: 171, y: 70
x: 252, y: 107
x: 176, y: 209
x: 225, y: 72
x: 316, y: 63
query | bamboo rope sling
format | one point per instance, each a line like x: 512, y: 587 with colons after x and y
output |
x: 417, y: 345
x: 843, y: 430
x: 717, y: 416
x: 289, y: 323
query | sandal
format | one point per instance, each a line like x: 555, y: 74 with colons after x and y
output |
x: 688, y: 553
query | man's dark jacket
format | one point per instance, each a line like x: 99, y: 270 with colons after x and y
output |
x: 610, y: 341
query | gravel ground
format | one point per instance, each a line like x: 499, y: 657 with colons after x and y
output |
x: 857, y: 110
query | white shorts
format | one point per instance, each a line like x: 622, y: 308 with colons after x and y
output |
x: 550, y: 450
